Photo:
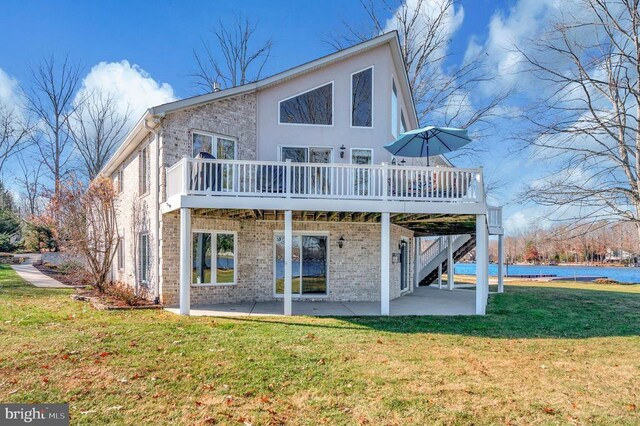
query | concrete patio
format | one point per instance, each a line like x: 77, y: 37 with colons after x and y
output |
x: 423, y: 301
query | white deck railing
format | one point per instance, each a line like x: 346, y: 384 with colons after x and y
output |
x: 494, y: 216
x: 332, y: 181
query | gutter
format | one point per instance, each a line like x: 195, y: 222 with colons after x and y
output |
x: 156, y: 202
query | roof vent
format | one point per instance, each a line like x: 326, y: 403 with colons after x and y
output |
x: 216, y: 87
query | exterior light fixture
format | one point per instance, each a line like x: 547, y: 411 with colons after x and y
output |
x: 342, y: 150
x: 341, y: 241
x: 403, y: 162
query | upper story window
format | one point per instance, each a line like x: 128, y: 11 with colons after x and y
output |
x: 119, y: 181
x: 403, y: 124
x: 144, y: 170
x: 394, y: 110
x: 362, y: 98
x: 219, y: 146
x: 313, y: 107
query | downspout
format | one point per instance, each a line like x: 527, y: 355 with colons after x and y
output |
x: 156, y: 201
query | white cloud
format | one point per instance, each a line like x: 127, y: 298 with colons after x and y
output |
x: 132, y: 88
x: 430, y: 11
x: 527, y: 19
x: 10, y: 93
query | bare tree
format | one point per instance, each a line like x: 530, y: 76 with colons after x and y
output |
x: 14, y: 134
x: 585, y: 124
x: 29, y: 181
x: 442, y: 94
x: 87, y: 224
x: 97, y: 127
x: 236, y: 59
x: 51, y: 101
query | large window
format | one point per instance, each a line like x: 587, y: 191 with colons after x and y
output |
x: 213, y: 248
x: 219, y: 146
x: 403, y: 124
x: 143, y: 258
x: 362, y: 98
x: 144, y: 171
x: 312, y: 107
x: 308, y: 266
x: 394, y: 110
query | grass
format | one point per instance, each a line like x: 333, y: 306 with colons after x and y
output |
x: 555, y: 353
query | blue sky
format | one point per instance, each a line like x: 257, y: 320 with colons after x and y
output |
x: 157, y: 39
x: 160, y: 36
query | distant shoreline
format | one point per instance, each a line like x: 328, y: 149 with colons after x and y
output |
x: 581, y: 264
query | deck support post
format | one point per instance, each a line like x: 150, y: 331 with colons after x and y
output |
x: 185, y: 261
x: 288, y: 249
x: 482, y: 264
x: 450, y: 262
x: 440, y: 276
x: 385, y: 259
x: 416, y: 262
x: 500, y: 263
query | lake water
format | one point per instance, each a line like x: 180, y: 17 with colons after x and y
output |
x: 624, y: 275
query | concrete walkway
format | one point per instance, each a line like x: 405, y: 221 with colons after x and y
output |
x: 29, y: 273
x: 423, y: 301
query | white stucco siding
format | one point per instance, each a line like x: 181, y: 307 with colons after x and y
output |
x: 271, y: 133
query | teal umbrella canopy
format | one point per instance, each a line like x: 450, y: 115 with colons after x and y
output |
x: 428, y: 141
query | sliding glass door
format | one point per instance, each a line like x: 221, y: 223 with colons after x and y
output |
x: 312, y: 180
x: 308, y: 266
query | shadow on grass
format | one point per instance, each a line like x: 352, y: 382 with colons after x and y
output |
x: 520, y: 312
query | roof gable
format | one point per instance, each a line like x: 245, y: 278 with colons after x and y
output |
x: 144, y: 125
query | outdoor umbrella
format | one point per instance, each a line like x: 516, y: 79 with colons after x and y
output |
x: 427, y: 141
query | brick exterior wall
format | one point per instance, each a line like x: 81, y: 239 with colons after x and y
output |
x: 134, y: 216
x: 233, y: 117
x: 353, y: 271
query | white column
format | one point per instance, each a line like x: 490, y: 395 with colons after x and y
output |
x: 416, y: 262
x: 185, y: 261
x: 482, y: 264
x: 440, y: 275
x: 385, y: 259
x: 500, y: 263
x: 288, y: 248
x: 450, y: 262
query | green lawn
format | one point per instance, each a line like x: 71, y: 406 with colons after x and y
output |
x: 551, y: 354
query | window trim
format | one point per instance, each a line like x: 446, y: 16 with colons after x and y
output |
x: 120, y: 254
x: 214, y: 233
x: 143, y: 184
x: 372, y: 97
x: 120, y: 174
x: 307, y: 147
x: 139, y: 248
x: 214, y: 143
x: 280, y: 232
x: 361, y: 148
x: 394, y: 117
x: 333, y: 106
x: 409, y: 267
x: 403, y: 123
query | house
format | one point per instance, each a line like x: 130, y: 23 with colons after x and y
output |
x: 281, y: 190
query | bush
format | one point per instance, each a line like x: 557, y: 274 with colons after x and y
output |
x: 5, y: 243
x: 39, y: 235
x: 125, y: 293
